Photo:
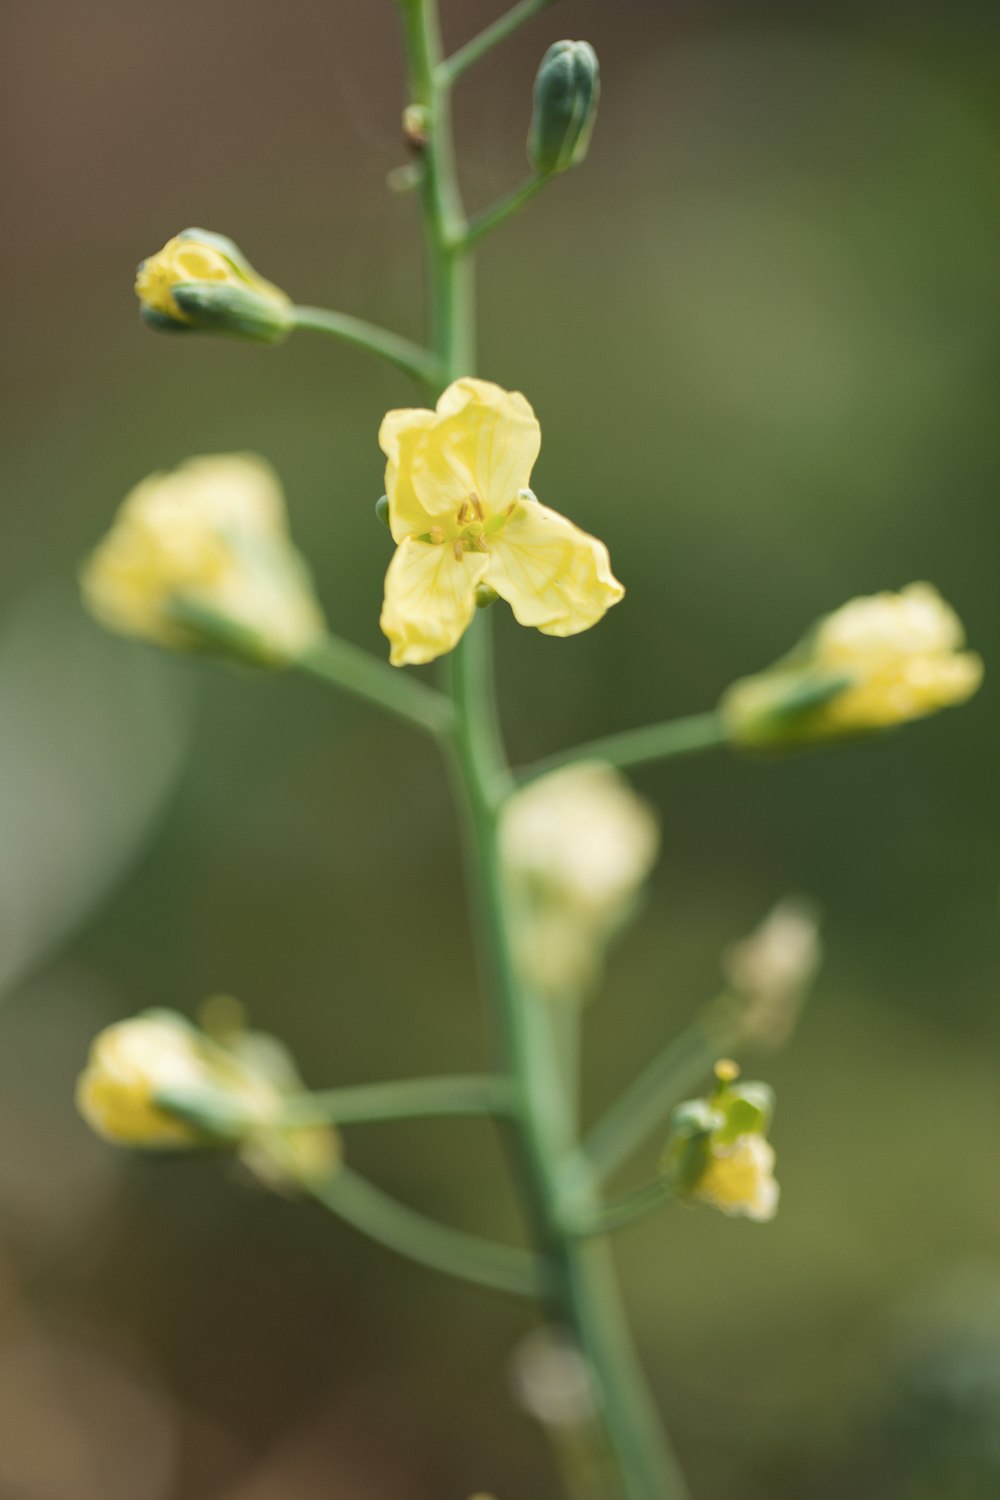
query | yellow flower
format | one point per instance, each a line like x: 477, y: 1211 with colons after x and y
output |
x: 577, y: 846
x: 155, y: 1082
x: 739, y: 1179
x: 874, y: 663
x: 201, y: 280
x: 464, y: 518
x: 718, y: 1152
x: 208, y: 541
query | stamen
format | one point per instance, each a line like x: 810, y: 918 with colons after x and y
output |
x: 465, y: 513
x: 456, y: 547
x: 480, y: 544
x: 436, y: 534
x: 477, y: 506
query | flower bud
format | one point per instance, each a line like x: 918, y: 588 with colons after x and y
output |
x: 202, y: 282
x: 577, y: 846
x: 769, y: 974
x: 156, y: 1082
x: 200, y: 558
x: 718, y: 1152
x: 872, y: 664
x: 567, y: 88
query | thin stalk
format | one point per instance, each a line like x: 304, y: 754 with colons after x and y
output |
x: 465, y: 57
x: 408, y: 1099
x: 623, y: 1211
x: 360, y: 334
x: 638, y: 747
x: 583, y: 1294
x: 647, y: 1101
x: 363, y: 675
x: 451, y: 1251
x: 491, y: 218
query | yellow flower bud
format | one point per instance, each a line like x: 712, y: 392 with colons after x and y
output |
x: 201, y: 280
x: 872, y: 664
x: 718, y: 1152
x: 156, y: 1082
x: 739, y: 1179
x: 134, y: 1063
x: 769, y: 974
x: 577, y: 846
x: 201, y: 558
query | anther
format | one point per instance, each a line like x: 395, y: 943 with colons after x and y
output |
x: 456, y: 547
x: 436, y: 535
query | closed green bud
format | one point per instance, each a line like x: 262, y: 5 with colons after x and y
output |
x: 567, y: 88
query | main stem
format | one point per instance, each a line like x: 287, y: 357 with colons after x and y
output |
x: 584, y: 1296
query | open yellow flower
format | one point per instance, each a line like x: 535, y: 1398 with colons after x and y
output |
x: 463, y: 517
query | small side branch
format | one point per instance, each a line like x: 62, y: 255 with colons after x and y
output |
x: 386, y: 687
x: 412, y: 358
x: 648, y: 1100
x: 623, y: 1211
x: 467, y: 56
x: 491, y: 218
x: 638, y: 747
x: 407, y: 1099
x: 504, y: 1268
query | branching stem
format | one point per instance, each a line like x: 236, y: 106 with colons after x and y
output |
x: 476, y: 49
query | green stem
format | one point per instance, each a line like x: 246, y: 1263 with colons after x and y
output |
x: 492, y: 36
x: 637, y: 747
x: 451, y: 1251
x: 409, y: 1099
x: 648, y: 1100
x: 623, y: 1211
x: 362, y: 674
x: 583, y: 1294
x: 403, y: 353
x: 491, y: 218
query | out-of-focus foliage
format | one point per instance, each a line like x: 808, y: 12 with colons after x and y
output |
x: 759, y: 329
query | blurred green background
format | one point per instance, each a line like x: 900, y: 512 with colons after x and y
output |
x: 760, y: 331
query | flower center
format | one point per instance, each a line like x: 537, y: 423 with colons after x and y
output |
x: 471, y: 529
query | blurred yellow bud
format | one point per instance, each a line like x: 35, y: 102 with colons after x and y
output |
x: 769, y: 974
x: 202, y: 281
x: 201, y: 558
x: 577, y: 846
x: 135, y: 1064
x: 718, y: 1152
x: 739, y: 1179
x: 156, y: 1082
x: 874, y: 663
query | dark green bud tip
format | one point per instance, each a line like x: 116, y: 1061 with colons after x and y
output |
x: 382, y: 509
x: 567, y: 88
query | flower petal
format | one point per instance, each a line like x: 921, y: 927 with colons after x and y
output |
x: 485, y: 442
x: 553, y: 575
x: 430, y: 597
x: 398, y: 434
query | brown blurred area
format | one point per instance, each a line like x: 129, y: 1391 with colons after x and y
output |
x: 760, y: 330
